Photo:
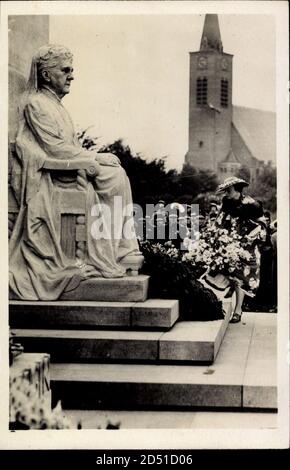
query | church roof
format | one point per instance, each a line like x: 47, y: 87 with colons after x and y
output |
x: 258, y: 130
x: 211, y: 36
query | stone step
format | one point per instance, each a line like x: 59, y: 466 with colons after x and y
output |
x: 124, y: 386
x: 79, y: 346
x: 186, y: 342
x: 235, y: 380
x: 158, y: 314
x: 194, y: 341
x: 124, y: 289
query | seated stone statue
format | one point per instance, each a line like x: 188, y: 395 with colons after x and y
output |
x: 39, y: 269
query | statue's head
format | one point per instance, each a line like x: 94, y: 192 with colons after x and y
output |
x: 52, y: 67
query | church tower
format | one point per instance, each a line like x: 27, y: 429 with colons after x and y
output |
x: 210, y: 100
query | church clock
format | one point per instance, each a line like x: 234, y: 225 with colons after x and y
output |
x: 202, y: 62
x: 224, y: 64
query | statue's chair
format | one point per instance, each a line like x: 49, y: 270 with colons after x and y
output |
x: 70, y: 178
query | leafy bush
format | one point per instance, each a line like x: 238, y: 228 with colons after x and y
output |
x: 171, y: 278
x: 265, y: 188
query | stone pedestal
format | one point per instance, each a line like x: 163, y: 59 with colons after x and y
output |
x: 123, y: 289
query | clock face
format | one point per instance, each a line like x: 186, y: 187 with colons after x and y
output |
x: 224, y: 64
x: 202, y: 62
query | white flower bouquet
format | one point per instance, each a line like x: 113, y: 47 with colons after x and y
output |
x: 218, y: 250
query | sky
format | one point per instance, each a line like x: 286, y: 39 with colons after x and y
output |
x: 132, y: 74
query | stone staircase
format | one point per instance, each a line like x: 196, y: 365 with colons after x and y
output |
x: 126, y: 351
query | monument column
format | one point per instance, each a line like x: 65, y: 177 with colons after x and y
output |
x: 26, y: 34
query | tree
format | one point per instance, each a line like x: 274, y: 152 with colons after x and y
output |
x: 203, y: 200
x: 196, y: 181
x: 151, y: 181
x: 265, y: 188
x: 244, y: 173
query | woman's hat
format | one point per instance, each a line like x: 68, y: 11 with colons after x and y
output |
x: 231, y: 181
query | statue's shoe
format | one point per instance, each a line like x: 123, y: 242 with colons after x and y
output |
x: 133, y: 263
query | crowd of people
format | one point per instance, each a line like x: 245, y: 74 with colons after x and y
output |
x: 180, y: 222
x: 266, y: 297
x: 172, y: 221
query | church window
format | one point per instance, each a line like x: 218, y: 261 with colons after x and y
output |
x: 224, y: 92
x: 200, y: 144
x: 201, y: 91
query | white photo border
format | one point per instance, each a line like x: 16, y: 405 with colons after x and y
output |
x: 165, y: 438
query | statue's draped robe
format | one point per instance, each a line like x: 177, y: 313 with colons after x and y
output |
x: 39, y: 270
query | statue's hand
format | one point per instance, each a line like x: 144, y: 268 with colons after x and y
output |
x: 107, y: 159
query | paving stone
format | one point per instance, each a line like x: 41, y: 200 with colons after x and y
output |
x: 260, y: 380
x: 233, y: 420
x: 92, y: 419
x: 124, y: 289
x: 155, y: 313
